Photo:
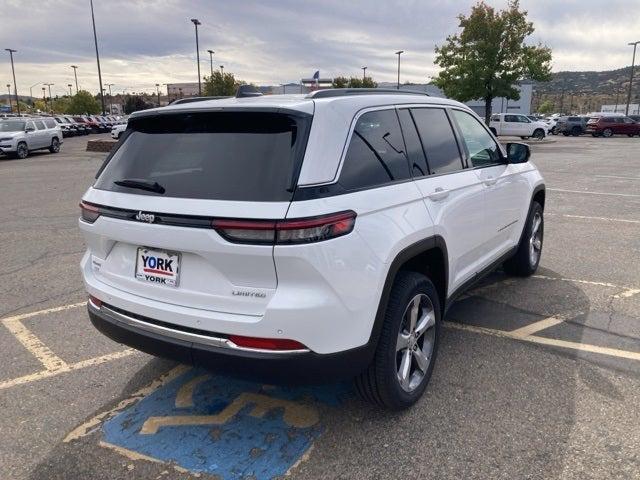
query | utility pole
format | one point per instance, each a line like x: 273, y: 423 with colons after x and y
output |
x: 633, y: 62
x: 399, y: 52
x: 15, y: 86
x: 95, y: 39
x: 75, y: 74
x: 196, y: 22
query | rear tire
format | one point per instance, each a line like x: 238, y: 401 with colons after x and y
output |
x: 607, y: 132
x: 538, y: 134
x: 406, y: 352
x: 55, y: 145
x: 527, y: 257
x: 575, y: 131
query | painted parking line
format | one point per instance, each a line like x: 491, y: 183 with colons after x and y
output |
x: 587, y: 192
x: 207, y: 423
x: 583, y: 347
x: 49, y: 360
x: 586, y: 217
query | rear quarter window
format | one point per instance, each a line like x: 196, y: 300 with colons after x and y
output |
x: 246, y: 156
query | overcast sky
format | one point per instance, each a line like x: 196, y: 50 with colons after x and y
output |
x: 269, y: 42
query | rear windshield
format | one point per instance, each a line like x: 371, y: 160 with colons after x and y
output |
x: 250, y: 156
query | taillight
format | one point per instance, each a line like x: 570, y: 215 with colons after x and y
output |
x: 266, y: 343
x: 95, y: 301
x: 88, y: 212
x: 286, y: 232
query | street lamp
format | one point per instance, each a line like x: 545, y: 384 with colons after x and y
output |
x: 211, y: 52
x: 158, y: 92
x: 75, y: 74
x: 222, y: 71
x: 10, y: 105
x: 196, y: 22
x: 399, y: 52
x: 95, y: 40
x: 69, y: 85
x: 110, y: 98
x: 364, y: 73
x: 50, y: 98
x: 15, y: 86
x: 44, y: 97
x: 633, y: 62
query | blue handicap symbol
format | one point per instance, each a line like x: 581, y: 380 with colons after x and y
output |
x: 224, y: 426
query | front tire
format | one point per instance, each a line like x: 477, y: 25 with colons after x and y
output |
x: 538, y: 134
x: 55, y: 146
x: 527, y: 257
x: 406, y: 352
x: 22, y: 150
x: 607, y: 132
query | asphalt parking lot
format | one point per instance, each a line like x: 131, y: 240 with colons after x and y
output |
x: 536, y: 378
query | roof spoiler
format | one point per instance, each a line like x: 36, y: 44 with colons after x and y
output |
x: 248, y: 91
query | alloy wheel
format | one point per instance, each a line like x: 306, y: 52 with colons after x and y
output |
x: 22, y: 151
x: 415, y: 343
x: 535, y: 240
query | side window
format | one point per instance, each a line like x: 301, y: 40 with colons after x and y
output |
x: 39, y: 124
x: 417, y: 160
x: 511, y: 118
x: 376, y: 152
x: 438, y: 141
x: 482, y: 149
x: 523, y: 119
x: 495, y: 118
x: 50, y: 122
x: 31, y: 125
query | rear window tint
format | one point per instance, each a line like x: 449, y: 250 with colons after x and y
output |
x: 50, y: 123
x: 438, y: 140
x: 249, y: 156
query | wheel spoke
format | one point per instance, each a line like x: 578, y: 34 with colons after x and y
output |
x: 413, y: 315
x: 537, y: 244
x: 536, y: 225
x: 403, y: 341
x: 427, y: 321
x: 422, y: 360
x: 404, y: 372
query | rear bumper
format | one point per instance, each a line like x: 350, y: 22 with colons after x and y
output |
x: 278, y: 367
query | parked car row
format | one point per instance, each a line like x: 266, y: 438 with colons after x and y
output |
x: 72, y: 125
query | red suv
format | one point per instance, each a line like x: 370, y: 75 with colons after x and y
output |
x: 607, y: 126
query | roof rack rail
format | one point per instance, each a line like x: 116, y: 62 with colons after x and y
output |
x: 180, y: 101
x: 344, y: 92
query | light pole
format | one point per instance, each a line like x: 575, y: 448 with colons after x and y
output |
x: 158, y: 92
x: 211, y: 52
x: 44, y: 97
x: 69, y: 85
x: 364, y: 73
x: 110, y: 98
x: 196, y: 22
x: 399, y: 52
x: 95, y: 40
x: 222, y: 71
x: 10, y: 105
x: 31, y: 91
x: 633, y: 62
x: 50, y: 98
x: 75, y: 74
x: 15, y: 86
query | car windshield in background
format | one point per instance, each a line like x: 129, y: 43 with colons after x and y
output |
x: 12, y: 126
x: 250, y: 156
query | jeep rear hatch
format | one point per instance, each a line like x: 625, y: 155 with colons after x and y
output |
x: 156, y: 196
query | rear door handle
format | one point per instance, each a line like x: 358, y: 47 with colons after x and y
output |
x: 438, y: 194
x: 490, y: 181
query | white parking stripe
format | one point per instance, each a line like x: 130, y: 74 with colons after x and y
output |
x: 616, y: 176
x: 536, y: 327
x: 586, y: 192
x: 43, y: 312
x: 585, y: 217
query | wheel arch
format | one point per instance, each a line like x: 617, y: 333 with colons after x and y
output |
x: 428, y: 256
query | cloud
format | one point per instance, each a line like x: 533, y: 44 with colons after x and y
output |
x: 146, y: 42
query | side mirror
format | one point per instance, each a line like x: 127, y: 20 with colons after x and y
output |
x: 518, y: 152
x: 29, y: 129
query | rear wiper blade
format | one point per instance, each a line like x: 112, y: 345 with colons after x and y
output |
x: 140, y: 184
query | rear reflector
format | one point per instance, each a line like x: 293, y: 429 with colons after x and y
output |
x: 283, y: 232
x: 266, y: 343
x: 95, y: 301
x: 88, y: 212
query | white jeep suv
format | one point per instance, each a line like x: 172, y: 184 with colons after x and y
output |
x: 305, y: 237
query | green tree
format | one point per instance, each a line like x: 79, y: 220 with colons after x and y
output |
x: 83, y: 103
x: 221, y: 84
x: 489, y: 56
x: 353, y: 82
x: 60, y: 105
x: 133, y: 103
x: 546, y: 107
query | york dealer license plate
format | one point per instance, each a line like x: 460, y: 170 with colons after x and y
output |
x: 157, y: 266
